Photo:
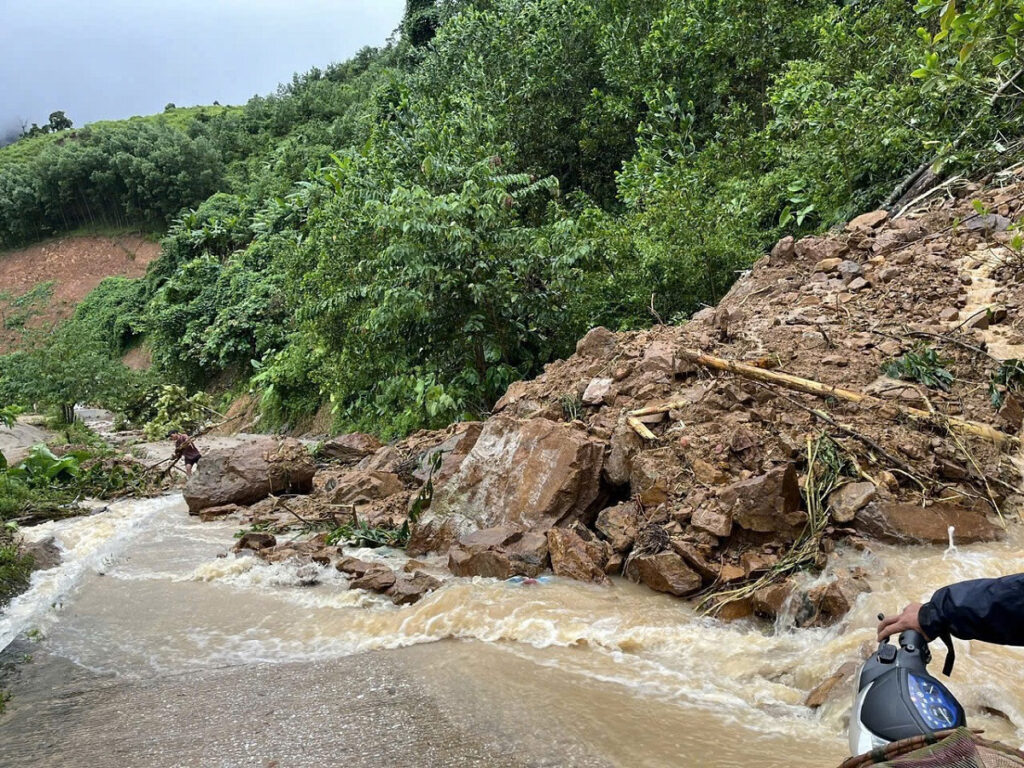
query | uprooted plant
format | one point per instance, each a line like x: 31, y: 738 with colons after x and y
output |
x: 922, y: 364
x: 1008, y: 378
x: 360, y: 533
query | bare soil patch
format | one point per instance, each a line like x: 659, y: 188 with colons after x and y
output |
x: 75, y: 265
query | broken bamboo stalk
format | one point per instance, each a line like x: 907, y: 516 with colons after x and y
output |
x: 640, y: 428
x: 652, y: 410
x: 811, y: 387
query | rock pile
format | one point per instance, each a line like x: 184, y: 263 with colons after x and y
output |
x: 629, y: 458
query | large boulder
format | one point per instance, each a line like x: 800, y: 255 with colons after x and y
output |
x: 529, y: 474
x: 768, y: 503
x: 248, y: 472
x: 913, y: 524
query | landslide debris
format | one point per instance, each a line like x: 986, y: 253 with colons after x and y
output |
x: 636, y: 457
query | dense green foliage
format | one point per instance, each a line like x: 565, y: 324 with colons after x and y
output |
x: 140, y: 171
x: 405, y: 233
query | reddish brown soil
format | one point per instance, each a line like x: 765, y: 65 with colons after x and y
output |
x: 76, y: 265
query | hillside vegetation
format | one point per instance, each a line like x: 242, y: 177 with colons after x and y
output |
x: 404, y: 234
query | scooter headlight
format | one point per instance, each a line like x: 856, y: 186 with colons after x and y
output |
x: 933, y: 703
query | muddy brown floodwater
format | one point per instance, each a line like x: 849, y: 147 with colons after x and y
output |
x: 144, y: 648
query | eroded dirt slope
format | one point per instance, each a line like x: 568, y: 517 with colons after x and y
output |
x: 75, y: 265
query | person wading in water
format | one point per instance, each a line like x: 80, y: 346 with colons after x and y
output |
x: 185, y: 448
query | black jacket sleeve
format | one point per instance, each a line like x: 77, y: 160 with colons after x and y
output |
x: 991, y: 610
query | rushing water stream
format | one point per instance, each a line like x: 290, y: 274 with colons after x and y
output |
x: 147, y: 649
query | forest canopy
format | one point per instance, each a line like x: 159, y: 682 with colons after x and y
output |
x: 403, y: 234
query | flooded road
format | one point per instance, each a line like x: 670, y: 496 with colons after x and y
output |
x: 147, y: 648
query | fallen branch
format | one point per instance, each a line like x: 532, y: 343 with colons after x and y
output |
x: 279, y: 502
x: 811, y: 387
x: 955, y: 342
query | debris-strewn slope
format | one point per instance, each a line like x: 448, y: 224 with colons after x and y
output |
x: 634, y: 457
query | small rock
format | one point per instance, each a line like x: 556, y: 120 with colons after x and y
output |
x: 1011, y: 413
x: 659, y: 360
x: 664, y: 572
x: 694, y: 558
x: 767, y: 503
x: 837, y: 679
x: 731, y: 573
x: 867, y: 221
x: 830, y: 602
x: 707, y: 473
x: 890, y: 348
x: 597, y: 391
x: 783, y: 252
x: 814, y: 249
x: 979, y: 321
x: 858, y: 284
x: 599, y: 342
x: 350, y: 448
x: 618, y: 525
x: 769, y: 601
x: 45, y: 554
x: 256, y: 541
x: 213, y: 513
x: 949, y: 314
x: 410, y: 589
x: 990, y: 222
x: 353, y: 566
x: 573, y: 558
x: 848, y: 499
x: 734, y: 610
x: 828, y: 265
x: 849, y: 269
x: 378, y: 578
x: 712, y: 519
x: 888, y: 274
x: 756, y: 562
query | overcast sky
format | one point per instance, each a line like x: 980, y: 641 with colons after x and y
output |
x: 107, y: 59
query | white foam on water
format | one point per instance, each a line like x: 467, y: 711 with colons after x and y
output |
x: 87, y: 544
x: 169, y: 604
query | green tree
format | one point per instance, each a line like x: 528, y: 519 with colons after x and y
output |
x: 419, y: 25
x: 73, y: 370
x: 59, y: 121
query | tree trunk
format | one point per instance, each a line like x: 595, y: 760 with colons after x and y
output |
x: 67, y: 413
